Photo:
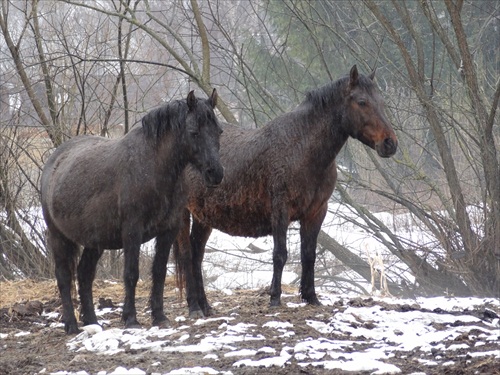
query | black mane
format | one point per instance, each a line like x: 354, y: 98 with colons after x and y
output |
x: 332, y: 92
x: 160, y: 121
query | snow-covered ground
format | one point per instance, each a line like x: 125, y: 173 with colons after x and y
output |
x: 352, y: 339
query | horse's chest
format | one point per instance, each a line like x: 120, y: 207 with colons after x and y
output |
x: 164, y: 212
x: 309, y: 194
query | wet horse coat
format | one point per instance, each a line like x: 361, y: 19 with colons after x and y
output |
x: 282, y: 172
x: 110, y: 194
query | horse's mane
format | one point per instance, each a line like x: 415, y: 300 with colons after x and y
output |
x: 160, y: 121
x: 332, y: 92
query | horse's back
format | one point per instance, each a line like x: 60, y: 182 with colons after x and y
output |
x: 59, y: 166
x: 71, y: 161
x: 73, y: 150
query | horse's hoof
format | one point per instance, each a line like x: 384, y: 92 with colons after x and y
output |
x: 207, y: 309
x: 314, y: 301
x: 196, y: 314
x: 275, y: 302
x: 88, y: 318
x: 209, y: 312
x: 132, y: 324
x: 72, y: 330
x: 161, y: 323
x: 89, y: 322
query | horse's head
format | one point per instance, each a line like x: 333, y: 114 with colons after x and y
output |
x: 202, y: 135
x: 365, y: 115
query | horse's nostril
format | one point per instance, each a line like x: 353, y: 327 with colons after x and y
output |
x: 387, y: 147
x: 211, y: 174
x: 390, y: 145
x: 214, y: 176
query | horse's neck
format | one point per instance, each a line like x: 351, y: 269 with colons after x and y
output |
x: 170, y: 159
x: 320, y: 135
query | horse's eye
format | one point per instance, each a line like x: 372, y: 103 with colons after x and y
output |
x: 362, y: 103
x: 194, y: 134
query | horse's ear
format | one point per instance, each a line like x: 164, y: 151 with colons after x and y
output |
x: 372, y: 74
x: 353, y: 76
x: 213, y: 98
x: 191, y: 100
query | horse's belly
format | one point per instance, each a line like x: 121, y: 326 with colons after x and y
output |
x: 94, y: 234
x: 248, y: 217
x: 108, y: 233
x: 235, y: 221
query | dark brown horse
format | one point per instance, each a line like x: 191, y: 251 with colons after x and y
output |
x: 110, y: 194
x: 282, y: 172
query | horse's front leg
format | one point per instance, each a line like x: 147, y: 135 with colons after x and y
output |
x: 183, y: 255
x: 131, y: 249
x: 280, y: 253
x: 200, y: 234
x: 86, y: 275
x: 309, y: 230
x: 159, y: 272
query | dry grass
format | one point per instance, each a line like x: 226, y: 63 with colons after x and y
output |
x: 12, y: 292
x: 26, y: 290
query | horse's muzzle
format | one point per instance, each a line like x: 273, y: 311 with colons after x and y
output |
x: 213, y: 176
x: 387, y: 147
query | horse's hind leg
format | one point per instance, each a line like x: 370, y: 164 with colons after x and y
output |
x: 280, y: 255
x: 159, y: 271
x: 86, y: 274
x: 65, y: 254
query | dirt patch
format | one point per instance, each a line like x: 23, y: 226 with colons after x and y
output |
x: 45, y: 348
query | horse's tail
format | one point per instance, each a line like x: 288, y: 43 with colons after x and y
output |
x: 182, y: 251
x: 73, y: 254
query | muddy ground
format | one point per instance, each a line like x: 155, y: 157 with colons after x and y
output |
x: 45, y: 349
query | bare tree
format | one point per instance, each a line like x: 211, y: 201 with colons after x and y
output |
x: 87, y: 66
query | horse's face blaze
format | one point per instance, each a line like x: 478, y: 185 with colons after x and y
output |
x: 365, y: 114
x: 203, y: 137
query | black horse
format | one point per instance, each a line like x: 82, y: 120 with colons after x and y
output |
x: 282, y: 172
x: 111, y: 194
